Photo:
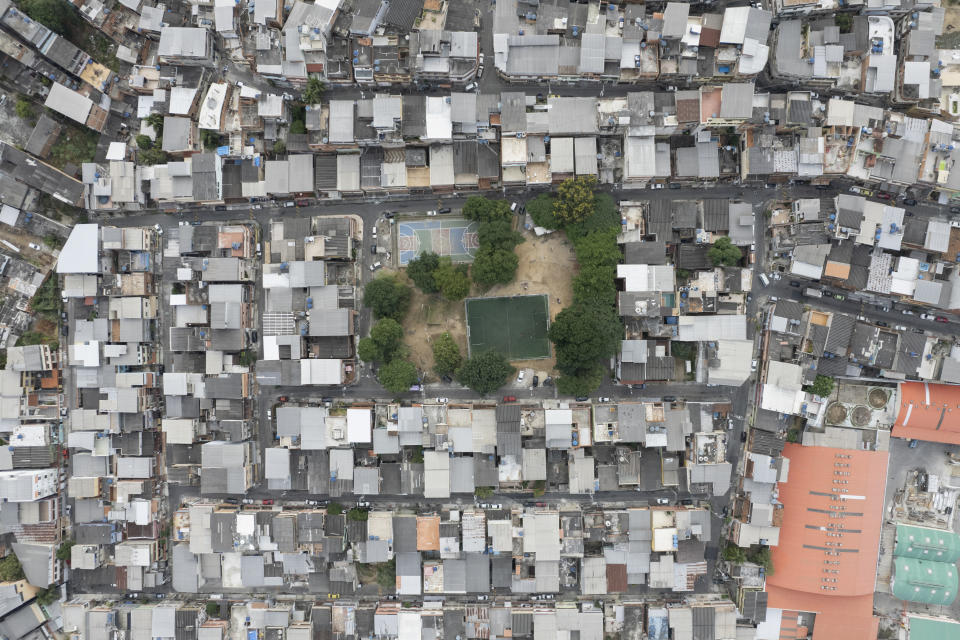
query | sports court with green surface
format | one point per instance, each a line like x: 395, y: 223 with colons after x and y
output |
x: 515, y: 326
x: 453, y: 237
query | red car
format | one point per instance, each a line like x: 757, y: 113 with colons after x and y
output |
x: 509, y: 398
x: 268, y: 501
x: 884, y: 196
x: 942, y: 319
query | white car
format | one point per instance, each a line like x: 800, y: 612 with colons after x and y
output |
x: 520, y: 377
x: 470, y: 87
x: 480, y: 71
x: 375, y: 266
x: 481, y: 58
x: 432, y: 212
x: 927, y: 316
x: 443, y: 400
x: 374, y: 231
x: 663, y: 501
x: 753, y: 365
x: 34, y: 246
x: 603, y: 399
x: 363, y: 504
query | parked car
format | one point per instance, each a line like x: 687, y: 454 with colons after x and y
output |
x: 603, y: 399
x: 839, y: 296
x: 268, y: 501
x: 362, y: 503
x: 795, y: 283
x: 432, y: 212
x: 303, y: 202
x: 881, y: 323
x: 927, y: 316
x: 754, y: 364
x: 480, y: 71
x: 480, y: 58
x: 942, y: 319
x: 536, y: 381
x: 470, y: 87
x: 444, y: 210
x: 906, y: 312
x: 914, y: 443
x: 581, y: 398
x: 376, y: 265
x: 676, y: 185
x: 288, y: 204
x: 520, y: 375
x: 883, y: 195
x: 509, y: 398
x: 373, y: 249
x: 443, y: 400
x: 910, y: 202
x: 669, y: 398
x: 954, y: 209
x: 374, y: 231
x: 663, y: 501
x: 254, y: 336
x: 389, y: 214
x: 34, y: 246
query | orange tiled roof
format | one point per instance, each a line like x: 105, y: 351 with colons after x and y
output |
x: 929, y: 412
x: 820, y: 527
x: 849, y: 618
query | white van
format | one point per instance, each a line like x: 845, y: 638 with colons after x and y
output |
x: 764, y: 279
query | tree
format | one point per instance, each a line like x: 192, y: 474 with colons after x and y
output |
x: 761, y: 555
x: 152, y: 156
x: 452, y: 280
x: 10, y: 569
x: 53, y: 14
x: 606, y: 216
x: 822, y: 386
x: 582, y: 335
x: 279, y: 147
x: 387, y: 335
x: 367, y: 350
x: 213, y: 610
x: 541, y: 210
x: 599, y: 248
x: 210, y: 138
x: 49, y: 595
x: 24, y: 109
x: 421, y: 270
x: 63, y: 551
x: 313, y: 93
x: 485, y: 372
x: 582, y: 384
x: 446, y: 355
x: 398, y: 376
x: 733, y: 553
x: 724, y: 253
x: 483, y: 492
x: 387, y: 297
x: 334, y: 509
x: 595, y: 286
x: 155, y: 120
x: 144, y: 142
x: 844, y: 21
x: 480, y: 209
x: 498, y: 234
x: 298, y: 127
x: 495, y: 266
x: 358, y: 515
x: 574, y: 199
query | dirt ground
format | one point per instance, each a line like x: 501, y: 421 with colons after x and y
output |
x: 546, y: 266
x: 44, y: 260
x: 951, y: 28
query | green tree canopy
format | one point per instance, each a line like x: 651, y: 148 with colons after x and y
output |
x: 498, y: 234
x: 155, y: 120
x: 313, y: 93
x: 582, y: 335
x: 210, y: 138
x: 56, y: 15
x: 385, y: 341
x: 599, y: 249
x: 480, y: 209
x: 492, y: 267
x: 575, y: 199
x: 541, y: 210
x: 446, y: 355
x: 761, y: 555
x: 733, y: 553
x: 152, y: 156
x: 387, y: 297
x: 298, y: 127
x: 452, y: 280
x: 605, y: 217
x: 144, y: 141
x: 582, y: 384
x: 10, y: 569
x: 724, y: 253
x: 24, y: 109
x: 421, y: 269
x: 397, y: 376
x: 594, y: 286
x: 485, y: 372
x: 822, y: 386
